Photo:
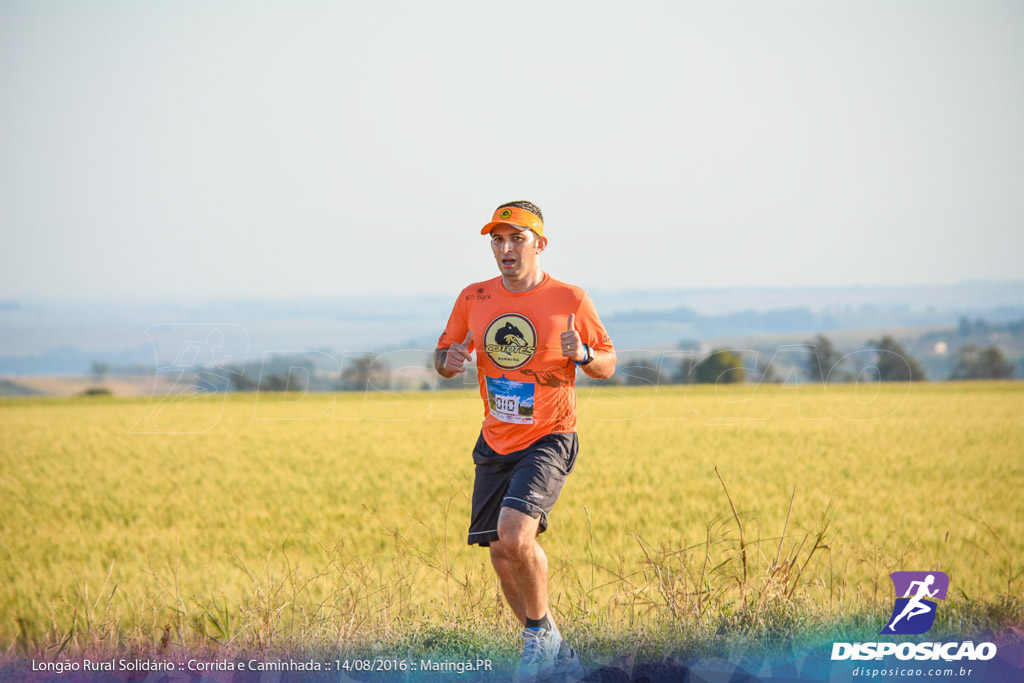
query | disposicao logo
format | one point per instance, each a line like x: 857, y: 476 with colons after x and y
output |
x: 916, y: 596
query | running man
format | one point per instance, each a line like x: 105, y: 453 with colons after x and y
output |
x: 915, y: 605
x: 530, y: 333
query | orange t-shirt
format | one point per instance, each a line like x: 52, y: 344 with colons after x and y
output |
x: 527, y: 385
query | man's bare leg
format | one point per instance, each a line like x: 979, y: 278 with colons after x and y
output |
x: 519, y: 557
x: 526, y: 560
x: 503, y: 568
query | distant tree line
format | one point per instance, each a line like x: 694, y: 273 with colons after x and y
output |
x: 889, y: 361
x: 982, y: 363
x: 822, y: 361
x: 894, y: 364
x: 723, y: 366
x: 728, y: 366
x: 291, y: 374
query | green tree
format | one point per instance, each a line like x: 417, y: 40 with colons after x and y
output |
x: 364, y: 373
x: 894, y: 364
x: 982, y: 363
x: 821, y: 358
x: 242, y: 382
x: 721, y: 366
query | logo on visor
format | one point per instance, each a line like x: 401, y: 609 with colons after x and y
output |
x: 505, y: 215
x: 510, y: 341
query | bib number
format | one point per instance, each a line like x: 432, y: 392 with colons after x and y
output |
x: 506, y: 404
x: 509, y: 400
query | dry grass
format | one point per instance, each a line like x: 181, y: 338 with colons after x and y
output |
x: 697, y: 517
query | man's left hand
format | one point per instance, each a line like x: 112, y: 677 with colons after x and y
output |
x: 572, y: 343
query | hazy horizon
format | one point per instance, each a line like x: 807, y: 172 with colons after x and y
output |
x: 57, y: 337
x: 1009, y: 284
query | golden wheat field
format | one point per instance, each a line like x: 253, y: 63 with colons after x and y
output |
x: 270, y: 519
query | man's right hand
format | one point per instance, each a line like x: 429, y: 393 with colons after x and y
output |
x: 457, y: 355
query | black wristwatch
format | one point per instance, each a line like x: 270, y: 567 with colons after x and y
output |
x: 589, y: 358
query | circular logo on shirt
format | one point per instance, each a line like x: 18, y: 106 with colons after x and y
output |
x: 510, y: 341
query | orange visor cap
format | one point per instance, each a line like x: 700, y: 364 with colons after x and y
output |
x: 517, y: 218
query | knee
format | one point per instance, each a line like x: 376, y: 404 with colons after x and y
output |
x: 516, y: 542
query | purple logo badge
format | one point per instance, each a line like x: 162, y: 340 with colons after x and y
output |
x: 916, y: 596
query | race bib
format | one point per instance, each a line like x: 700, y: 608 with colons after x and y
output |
x: 509, y: 400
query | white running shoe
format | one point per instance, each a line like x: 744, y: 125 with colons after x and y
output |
x: 540, y: 654
x: 567, y: 665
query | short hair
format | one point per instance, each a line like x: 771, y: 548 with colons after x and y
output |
x: 528, y: 206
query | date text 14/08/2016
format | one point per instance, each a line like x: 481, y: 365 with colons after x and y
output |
x: 458, y: 667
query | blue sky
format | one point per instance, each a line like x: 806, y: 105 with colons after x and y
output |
x: 209, y: 150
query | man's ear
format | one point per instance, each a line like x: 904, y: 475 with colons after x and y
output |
x: 542, y: 243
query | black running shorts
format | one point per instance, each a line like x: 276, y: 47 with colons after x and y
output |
x: 529, y: 480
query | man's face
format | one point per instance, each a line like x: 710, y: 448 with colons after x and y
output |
x: 516, y: 251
